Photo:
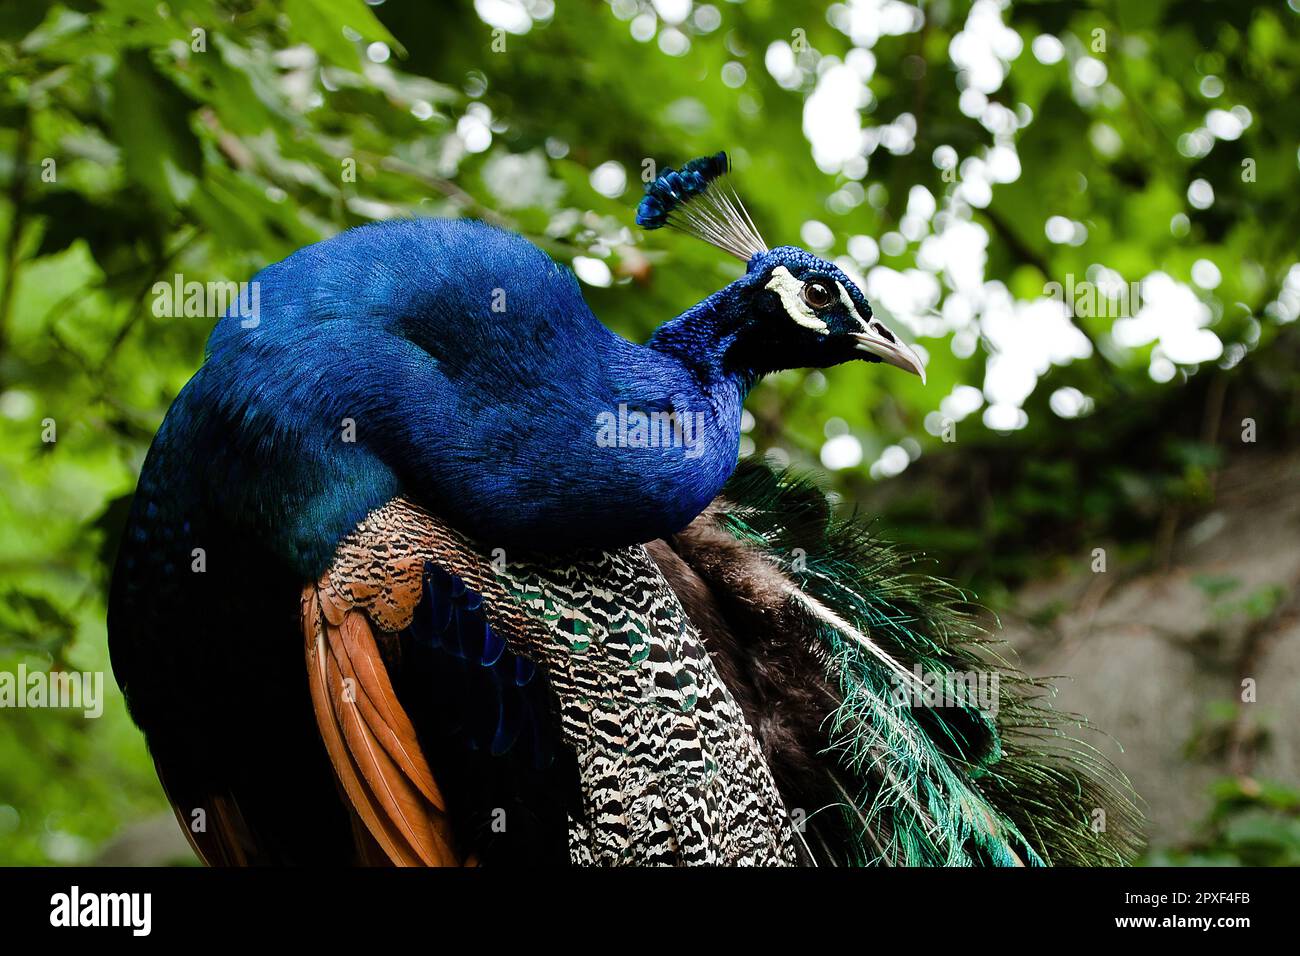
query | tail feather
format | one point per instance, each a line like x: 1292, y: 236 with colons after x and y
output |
x: 950, y: 782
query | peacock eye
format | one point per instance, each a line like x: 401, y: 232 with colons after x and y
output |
x: 817, y: 294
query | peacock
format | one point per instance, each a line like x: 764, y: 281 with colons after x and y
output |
x: 426, y: 566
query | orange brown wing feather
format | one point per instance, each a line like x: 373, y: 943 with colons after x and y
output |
x: 370, y: 739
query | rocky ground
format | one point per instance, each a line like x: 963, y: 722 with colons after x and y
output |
x: 1157, y: 656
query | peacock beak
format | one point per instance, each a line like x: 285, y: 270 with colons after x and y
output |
x: 886, y: 346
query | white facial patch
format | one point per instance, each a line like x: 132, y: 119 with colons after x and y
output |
x: 784, y: 284
x: 848, y: 304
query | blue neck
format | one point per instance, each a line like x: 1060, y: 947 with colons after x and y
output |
x: 702, y: 340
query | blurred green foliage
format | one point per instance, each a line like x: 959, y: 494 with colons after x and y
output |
x: 140, y: 139
x: 1251, y: 824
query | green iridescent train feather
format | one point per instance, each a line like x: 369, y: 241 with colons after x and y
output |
x: 935, y: 785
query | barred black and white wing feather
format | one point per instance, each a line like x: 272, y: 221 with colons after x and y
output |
x: 664, y: 767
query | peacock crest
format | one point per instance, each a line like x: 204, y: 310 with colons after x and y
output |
x: 699, y: 200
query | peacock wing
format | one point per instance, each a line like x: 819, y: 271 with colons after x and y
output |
x: 650, y: 759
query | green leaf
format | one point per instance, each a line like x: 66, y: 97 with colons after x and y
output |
x: 150, y: 119
x: 320, y: 24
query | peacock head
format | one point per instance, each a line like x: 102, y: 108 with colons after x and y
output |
x: 791, y: 309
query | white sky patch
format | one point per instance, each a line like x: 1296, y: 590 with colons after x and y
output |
x: 958, y: 312
x: 898, y: 137
x: 673, y: 11
x: 963, y: 400
x: 1107, y: 281
x: 816, y: 235
x: 509, y: 15
x: 1224, y: 124
x: 1008, y: 380
x: 963, y: 344
x: 1047, y: 49
x: 17, y: 405
x: 1105, y: 139
x: 1003, y: 164
x: 913, y: 227
x: 984, y: 47
x: 975, y: 188
x: 972, y: 102
x: 1200, y: 194
x: 592, y: 271
x: 1173, y: 317
x: 779, y: 61
x: 474, y: 129
x: 862, y: 62
x: 908, y: 296
x: 609, y: 179
x: 892, y: 461
x: 707, y: 18
x: 1005, y: 418
x: 920, y: 202
x: 1286, y: 307
x: 674, y: 42
x: 832, y: 120
x: 520, y: 180
x: 1162, y: 370
x: 841, y: 451
x: 1196, y: 144
x: 1069, y: 402
x: 1001, y: 121
x: 643, y: 27
x: 1090, y: 71
x: 864, y: 250
x: 866, y: 21
x: 1206, y: 274
x: 958, y: 252
x: 1026, y: 339
x: 1058, y: 229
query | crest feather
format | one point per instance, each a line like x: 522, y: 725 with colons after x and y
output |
x: 699, y: 201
